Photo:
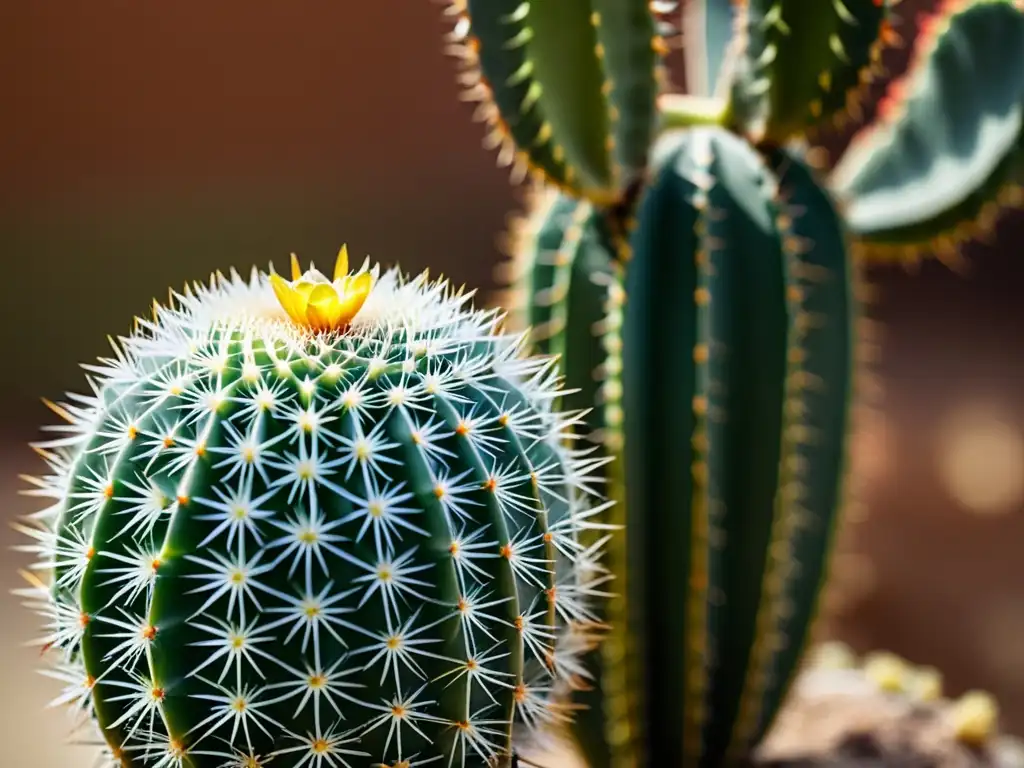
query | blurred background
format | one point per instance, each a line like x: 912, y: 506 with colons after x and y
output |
x: 146, y: 144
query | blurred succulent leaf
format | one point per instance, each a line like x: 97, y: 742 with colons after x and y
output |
x: 568, y: 86
x: 804, y: 62
x: 948, y: 149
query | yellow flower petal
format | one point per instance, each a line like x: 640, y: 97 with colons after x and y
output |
x: 304, y: 289
x: 290, y: 300
x: 319, y: 319
x: 356, y: 291
x: 341, y: 266
x: 323, y: 297
x: 361, y: 283
x: 296, y: 269
x: 323, y: 310
x: 321, y: 305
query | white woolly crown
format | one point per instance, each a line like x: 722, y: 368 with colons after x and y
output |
x: 418, y: 307
x: 227, y: 445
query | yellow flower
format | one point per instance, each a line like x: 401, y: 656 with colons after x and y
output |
x: 312, y: 300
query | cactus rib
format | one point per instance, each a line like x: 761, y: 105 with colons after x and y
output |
x: 819, y: 393
x: 620, y: 722
x: 565, y: 288
x: 631, y: 53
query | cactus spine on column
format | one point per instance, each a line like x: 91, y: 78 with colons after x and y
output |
x: 317, y: 522
x: 721, y: 372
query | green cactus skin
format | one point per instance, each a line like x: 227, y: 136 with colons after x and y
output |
x: 803, y: 60
x: 344, y: 548
x: 569, y: 86
x: 913, y: 185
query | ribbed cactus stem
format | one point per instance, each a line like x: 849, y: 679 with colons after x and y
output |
x: 734, y: 449
x: 721, y: 376
x: 354, y: 539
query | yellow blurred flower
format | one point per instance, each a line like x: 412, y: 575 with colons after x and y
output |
x: 312, y: 300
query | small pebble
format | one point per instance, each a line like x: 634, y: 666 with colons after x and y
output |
x: 925, y: 684
x: 886, y: 670
x: 975, y: 716
x: 833, y: 655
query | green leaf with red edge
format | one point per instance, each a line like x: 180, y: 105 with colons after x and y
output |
x: 948, y: 149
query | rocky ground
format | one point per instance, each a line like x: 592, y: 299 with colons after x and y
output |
x: 875, y: 712
x: 883, y: 712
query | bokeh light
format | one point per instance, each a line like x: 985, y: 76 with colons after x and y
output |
x: 981, y: 459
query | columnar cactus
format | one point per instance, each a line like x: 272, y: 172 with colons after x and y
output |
x: 695, y: 268
x: 320, y: 523
x: 740, y: 260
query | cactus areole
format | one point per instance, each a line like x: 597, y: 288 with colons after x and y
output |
x: 316, y: 522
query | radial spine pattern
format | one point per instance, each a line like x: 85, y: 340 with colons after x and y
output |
x: 346, y: 548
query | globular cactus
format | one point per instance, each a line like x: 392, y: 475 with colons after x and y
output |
x: 705, y: 300
x: 317, y: 523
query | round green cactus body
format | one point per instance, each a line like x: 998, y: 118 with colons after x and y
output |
x: 347, y: 545
x: 725, y: 359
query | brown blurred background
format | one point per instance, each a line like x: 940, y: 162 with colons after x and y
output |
x: 144, y: 144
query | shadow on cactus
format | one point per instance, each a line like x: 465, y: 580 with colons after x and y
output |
x: 699, y: 278
x: 316, y: 522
